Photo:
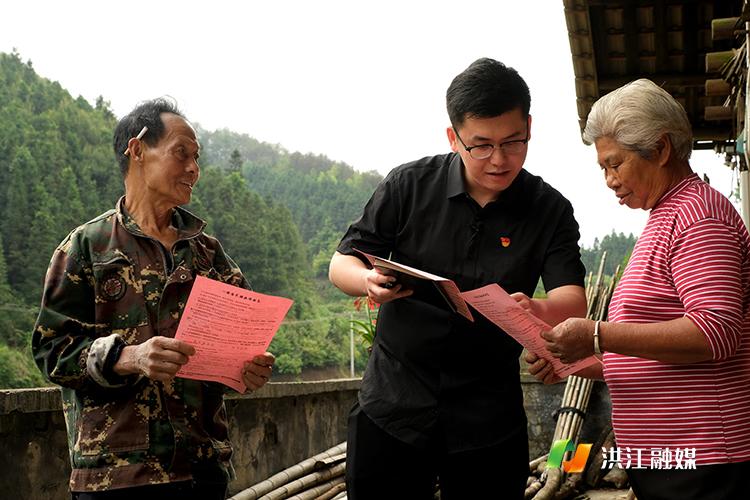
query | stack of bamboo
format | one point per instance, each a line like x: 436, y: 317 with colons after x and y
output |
x: 550, y: 482
x: 318, y: 478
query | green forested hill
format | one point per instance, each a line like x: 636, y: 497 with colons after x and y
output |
x: 57, y: 171
x: 323, y: 196
x: 54, y: 151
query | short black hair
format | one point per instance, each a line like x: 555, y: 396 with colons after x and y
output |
x: 487, y: 88
x: 146, y: 114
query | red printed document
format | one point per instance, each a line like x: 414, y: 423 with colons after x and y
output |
x: 227, y: 326
x: 496, y: 305
x: 447, y: 288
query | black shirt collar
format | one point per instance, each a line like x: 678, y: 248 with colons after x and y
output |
x: 456, y: 184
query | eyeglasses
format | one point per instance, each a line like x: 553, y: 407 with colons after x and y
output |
x: 484, y: 151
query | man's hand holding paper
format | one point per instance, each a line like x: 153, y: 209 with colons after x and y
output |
x: 383, y: 286
x: 383, y: 268
x: 256, y: 373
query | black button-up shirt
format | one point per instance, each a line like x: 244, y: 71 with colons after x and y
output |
x: 434, y: 378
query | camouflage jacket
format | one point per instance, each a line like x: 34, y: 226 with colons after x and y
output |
x: 110, y: 284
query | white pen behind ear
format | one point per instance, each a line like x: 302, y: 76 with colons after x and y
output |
x: 139, y: 137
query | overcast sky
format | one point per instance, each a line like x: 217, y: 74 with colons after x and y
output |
x: 362, y: 83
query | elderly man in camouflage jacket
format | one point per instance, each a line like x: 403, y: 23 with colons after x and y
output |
x: 113, y: 297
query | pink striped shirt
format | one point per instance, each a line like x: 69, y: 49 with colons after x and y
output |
x: 691, y: 260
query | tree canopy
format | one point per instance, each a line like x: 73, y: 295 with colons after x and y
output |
x: 618, y: 248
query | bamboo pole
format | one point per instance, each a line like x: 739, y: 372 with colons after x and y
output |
x: 328, y: 461
x: 320, y: 490
x: 576, y: 403
x: 597, y: 284
x: 535, y: 463
x: 541, y: 468
x: 304, y: 483
x: 554, y: 480
x: 338, y: 488
x: 581, y: 404
x: 256, y: 491
x: 533, y: 489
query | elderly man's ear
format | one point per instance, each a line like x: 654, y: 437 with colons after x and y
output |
x: 135, y: 149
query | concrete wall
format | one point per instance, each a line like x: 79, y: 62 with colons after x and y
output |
x: 271, y: 429
x: 278, y: 426
x: 285, y: 423
x: 34, y: 460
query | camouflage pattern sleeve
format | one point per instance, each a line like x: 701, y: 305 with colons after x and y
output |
x: 65, y: 329
x: 103, y: 354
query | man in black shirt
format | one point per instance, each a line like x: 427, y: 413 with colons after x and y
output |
x: 441, y: 396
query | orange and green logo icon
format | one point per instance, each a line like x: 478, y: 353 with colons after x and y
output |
x: 560, y: 448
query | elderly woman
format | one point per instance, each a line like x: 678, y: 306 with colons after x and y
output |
x: 113, y: 297
x: 676, y: 348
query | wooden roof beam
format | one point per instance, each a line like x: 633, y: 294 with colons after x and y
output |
x: 669, y: 79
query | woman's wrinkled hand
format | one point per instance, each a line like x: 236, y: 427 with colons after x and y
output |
x: 571, y: 340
